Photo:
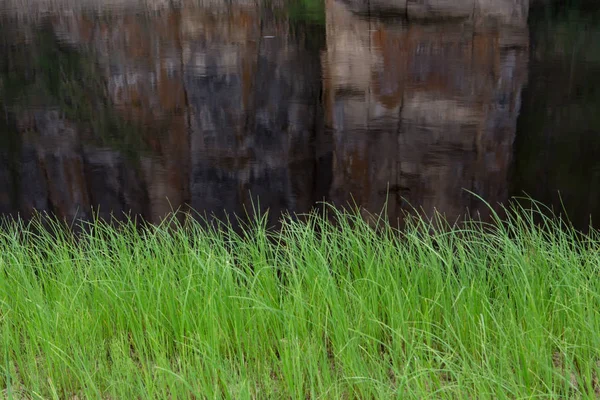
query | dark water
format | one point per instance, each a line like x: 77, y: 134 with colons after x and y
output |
x: 118, y: 106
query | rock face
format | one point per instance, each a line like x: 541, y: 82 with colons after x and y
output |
x: 418, y: 113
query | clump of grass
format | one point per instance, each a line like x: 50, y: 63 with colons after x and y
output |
x: 315, y: 309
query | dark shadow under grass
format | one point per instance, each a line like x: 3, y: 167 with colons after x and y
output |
x: 320, y: 308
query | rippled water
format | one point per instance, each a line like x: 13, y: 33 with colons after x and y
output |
x: 147, y: 106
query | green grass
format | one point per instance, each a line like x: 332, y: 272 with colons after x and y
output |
x: 315, y: 310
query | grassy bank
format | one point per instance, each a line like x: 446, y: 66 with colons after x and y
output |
x: 315, y: 310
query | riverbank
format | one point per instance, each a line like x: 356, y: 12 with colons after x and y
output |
x: 314, y: 310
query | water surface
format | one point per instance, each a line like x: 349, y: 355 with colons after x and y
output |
x: 124, y: 106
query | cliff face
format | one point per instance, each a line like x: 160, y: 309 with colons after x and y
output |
x: 420, y: 112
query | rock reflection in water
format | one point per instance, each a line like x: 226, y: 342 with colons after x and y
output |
x: 426, y: 110
x: 206, y: 105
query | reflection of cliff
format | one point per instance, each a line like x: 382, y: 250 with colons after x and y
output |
x: 253, y: 91
x: 188, y: 106
x: 140, y: 60
x: 422, y: 110
x: 96, y: 120
x: 210, y: 105
x: 57, y: 133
